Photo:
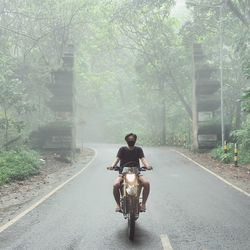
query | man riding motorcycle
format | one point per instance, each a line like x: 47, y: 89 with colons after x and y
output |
x: 126, y: 154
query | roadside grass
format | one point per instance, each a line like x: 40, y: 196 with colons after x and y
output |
x: 18, y: 165
x: 243, y: 154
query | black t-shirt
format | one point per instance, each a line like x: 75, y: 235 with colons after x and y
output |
x: 126, y: 155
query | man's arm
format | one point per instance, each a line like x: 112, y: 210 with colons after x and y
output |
x: 115, y: 162
x: 145, y: 163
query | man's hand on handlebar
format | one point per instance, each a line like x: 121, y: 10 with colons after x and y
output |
x: 110, y: 168
x: 116, y: 168
x: 144, y: 168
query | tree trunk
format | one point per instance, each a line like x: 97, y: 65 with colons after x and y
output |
x: 163, y: 118
x: 6, y: 129
x: 162, y: 113
x: 195, y: 145
x: 238, y: 116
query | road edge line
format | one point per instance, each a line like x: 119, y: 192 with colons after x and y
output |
x: 165, y: 242
x: 44, y: 198
x: 211, y: 172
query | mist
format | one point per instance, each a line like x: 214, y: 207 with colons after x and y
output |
x: 104, y: 101
x: 171, y: 72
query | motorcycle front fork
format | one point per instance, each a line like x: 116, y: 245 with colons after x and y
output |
x: 124, y: 205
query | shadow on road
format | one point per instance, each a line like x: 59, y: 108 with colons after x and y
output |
x: 142, y: 239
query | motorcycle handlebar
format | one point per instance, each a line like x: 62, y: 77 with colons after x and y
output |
x: 146, y: 169
x: 117, y: 168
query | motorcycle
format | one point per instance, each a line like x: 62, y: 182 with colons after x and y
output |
x: 130, y: 194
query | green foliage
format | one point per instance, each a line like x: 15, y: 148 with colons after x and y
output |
x: 18, y: 164
x: 33, y: 38
x: 12, y: 100
x: 133, y: 72
x: 246, y: 100
x: 218, y: 154
x: 243, y: 154
x: 133, y: 65
x: 242, y: 138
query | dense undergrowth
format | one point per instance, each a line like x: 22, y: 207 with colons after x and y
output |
x: 218, y: 154
x: 242, y: 138
x: 243, y: 154
x: 18, y: 164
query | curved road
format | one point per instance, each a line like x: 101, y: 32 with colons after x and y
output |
x: 187, y: 205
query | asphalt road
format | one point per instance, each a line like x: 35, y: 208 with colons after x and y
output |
x: 189, y: 206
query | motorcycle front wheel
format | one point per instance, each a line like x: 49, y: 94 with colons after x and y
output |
x: 131, y: 226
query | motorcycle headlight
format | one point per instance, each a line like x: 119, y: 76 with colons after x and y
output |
x: 130, y: 178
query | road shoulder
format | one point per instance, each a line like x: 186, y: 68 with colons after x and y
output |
x: 17, y: 196
x: 238, y: 176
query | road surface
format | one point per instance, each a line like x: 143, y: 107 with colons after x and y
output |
x: 188, y: 209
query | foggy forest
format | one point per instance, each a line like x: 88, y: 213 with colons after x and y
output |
x: 75, y: 73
